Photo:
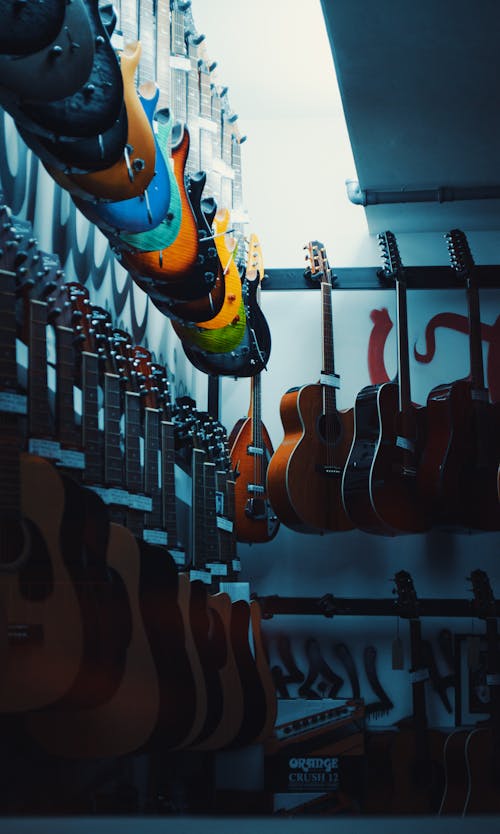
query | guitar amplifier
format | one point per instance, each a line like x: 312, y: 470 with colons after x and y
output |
x: 317, y: 749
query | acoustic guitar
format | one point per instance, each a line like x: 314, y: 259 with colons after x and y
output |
x: 379, y: 487
x: 28, y: 29
x: 252, y: 353
x: 416, y: 751
x: 251, y: 451
x: 317, y: 437
x: 56, y: 69
x: 36, y: 591
x: 458, y: 471
x: 132, y: 174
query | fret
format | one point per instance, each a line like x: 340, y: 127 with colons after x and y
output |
x: 39, y: 417
x: 129, y: 20
x: 168, y: 482
x: 178, y: 44
x: 179, y: 94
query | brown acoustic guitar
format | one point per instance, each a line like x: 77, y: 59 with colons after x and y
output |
x: 251, y: 450
x: 317, y: 437
x: 458, y: 471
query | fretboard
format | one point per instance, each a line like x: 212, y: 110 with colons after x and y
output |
x: 147, y: 37
x: 151, y: 471
x: 193, y: 111
x: 178, y: 44
x: 113, y: 461
x: 39, y: 417
x: 259, y: 474
x: 198, y: 559
x: 329, y: 391
x: 10, y: 482
x: 91, y: 436
x: 129, y: 20
x: 403, y: 353
x: 475, y: 339
x: 67, y: 431
x: 178, y: 78
x: 211, y: 549
x: 225, y: 526
x: 168, y: 482
x: 163, y: 53
x: 8, y: 363
x: 133, y: 470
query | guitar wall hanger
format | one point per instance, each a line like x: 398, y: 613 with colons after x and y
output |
x: 368, y: 278
x: 331, y: 606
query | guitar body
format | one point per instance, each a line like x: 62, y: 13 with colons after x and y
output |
x: 483, y: 796
x: 219, y: 607
x: 459, y: 465
x: 416, y: 790
x: 217, y: 341
x: 39, y: 600
x: 174, y: 269
x: 126, y: 720
x: 56, y: 70
x: 313, y: 451
x: 29, y: 28
x: 379, y: 486
x: 90, y: 111
x: 456, y: 778
x: 126, y: 178
x: 265, y: 674
x: 250, y: 528
x: 251, y: 354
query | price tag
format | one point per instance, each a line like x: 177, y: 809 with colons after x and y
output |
x: 332, y: 380
x: 224, y: 524
x: 178, y: 556
x: 72, y: 459
x: 203, y: 575
x: 404, y: 443
x: 217, y: 568
x: 44, y: 448
x: 493, y: 680
x: 155, y: 537
x: 140, y: 502
x: 13, y: 403
x: 236, y: 565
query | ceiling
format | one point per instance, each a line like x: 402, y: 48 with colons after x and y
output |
x: 420, y: 87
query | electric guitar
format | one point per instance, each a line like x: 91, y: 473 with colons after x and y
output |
x: 53, y: 70
x: 251, y: 451
x: 252, y: 353
x: 132, y: 174
x: 146, y: 210
x: 317, y: 437
x: 417, y: 751
x: 29, y: 29
x: 458, y: 470
x: 482, y: 747
x: 89, y: 112
x: 379, y: 486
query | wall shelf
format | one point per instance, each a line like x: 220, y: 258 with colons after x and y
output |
x: 367, y: 278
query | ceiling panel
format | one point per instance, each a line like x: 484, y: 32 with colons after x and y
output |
x: 420, y: 87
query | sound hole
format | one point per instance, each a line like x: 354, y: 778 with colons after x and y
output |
x: 329, y: 428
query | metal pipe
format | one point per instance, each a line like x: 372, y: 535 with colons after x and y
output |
x: 443, y: 194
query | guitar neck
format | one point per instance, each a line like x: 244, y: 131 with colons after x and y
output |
x: 255, y: 412
x: 329, y: 391
x: 151, y: 471
x: 404, y: 385
x: 147, y: 37
x: 10, y: 482
x: 198, y: 509
x: 133, y: 469
x: 169, y: 513
x: 225, y: 521
x: 39, y: 417
x: 163, y: 53
x: 113, y: 462
x: 91, y: 436
x: 67, y: 431
x: 475, y: 339
x: 211, y: 541
x: 129, y: 20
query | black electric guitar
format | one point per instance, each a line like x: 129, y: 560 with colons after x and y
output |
x: 29, y: 29
x: 416, y: 751
x: 379, y: 486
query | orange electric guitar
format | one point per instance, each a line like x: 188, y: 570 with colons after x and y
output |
x: 251, y: 450
x: 317, y: 437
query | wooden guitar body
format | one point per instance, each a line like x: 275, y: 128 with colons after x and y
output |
x: 57, y: 69
x: 483, y: 795
x: 39, y: 599
x: 417, y: 790
x: 29, y: 28
x: 95, y: 106
x: 456, y: 778
x: 261, y: 527
x: 379, y: 486
x: 459, y: 465
x: 126, y: 720
x: 313, y: 452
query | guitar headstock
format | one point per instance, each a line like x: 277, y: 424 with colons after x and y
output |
x: 407, y: 602
x: 484, y: 599
x: 319, y: 269
x: 81, y: 317
x: 102, y: 325
x: 123, y: 359
x: 255, y: 261
x: 460, y: 255
x: 140, y: 360
x: 391, y: 259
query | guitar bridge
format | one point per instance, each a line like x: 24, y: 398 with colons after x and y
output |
x: 256, y: 508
